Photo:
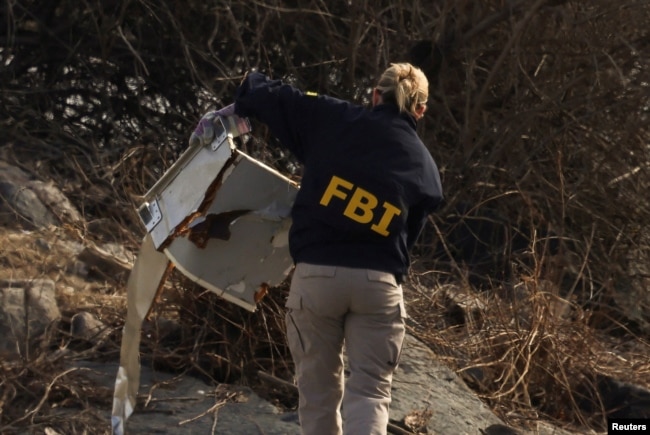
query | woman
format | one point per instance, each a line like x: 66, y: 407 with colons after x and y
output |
x: 368, y: 186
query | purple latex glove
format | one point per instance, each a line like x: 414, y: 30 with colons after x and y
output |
x: 204, y: 131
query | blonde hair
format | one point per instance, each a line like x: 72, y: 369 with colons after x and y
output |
x: 404, y: 85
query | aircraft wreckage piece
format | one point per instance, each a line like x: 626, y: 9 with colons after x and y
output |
x: 222, y: 219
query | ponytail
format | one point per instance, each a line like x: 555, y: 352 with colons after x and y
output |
x: 405, y: 86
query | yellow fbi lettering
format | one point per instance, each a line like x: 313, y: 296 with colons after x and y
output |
x: 361, y: 204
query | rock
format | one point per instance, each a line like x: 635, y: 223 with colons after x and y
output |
x: 171, y: 404
x: 87, y: 327
x: 109, y: 259
x: 21, y: 204
x: 34, y: 202
x: 426, y: 394
x: 55, y: 201
x: 27, y: 310
x: 463, y: 306
x: 423, y: 385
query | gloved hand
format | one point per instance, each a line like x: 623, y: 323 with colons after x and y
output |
x: 204, y: 132
x: 229, y: 110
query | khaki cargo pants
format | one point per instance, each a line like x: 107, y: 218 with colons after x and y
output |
x: 327, y: 307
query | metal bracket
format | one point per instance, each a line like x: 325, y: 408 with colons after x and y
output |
x: 150, y: 214
x: 220, y: 133
x: 227, y: 128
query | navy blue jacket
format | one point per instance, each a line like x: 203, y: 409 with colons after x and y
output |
x: 368, y: 181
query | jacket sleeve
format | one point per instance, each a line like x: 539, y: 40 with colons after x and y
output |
x: 431, y: 201
x: 416, y: 220
x: 287, y: 111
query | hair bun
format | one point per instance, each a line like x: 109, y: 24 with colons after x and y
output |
x: 404, y: 85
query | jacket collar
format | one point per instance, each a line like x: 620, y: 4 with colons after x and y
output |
x: 393, y: 110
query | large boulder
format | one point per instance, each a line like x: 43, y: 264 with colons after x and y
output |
x: 27, y: 310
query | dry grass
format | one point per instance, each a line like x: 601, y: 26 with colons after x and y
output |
x: 529, y: 353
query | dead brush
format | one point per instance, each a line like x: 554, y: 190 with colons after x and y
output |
x: 33, y: 389
x: 533, y: 356
x: 192, y: 330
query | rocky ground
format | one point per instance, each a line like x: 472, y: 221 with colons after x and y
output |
x: 63, y: 305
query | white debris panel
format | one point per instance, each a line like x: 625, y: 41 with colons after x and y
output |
x: 222, y: 219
